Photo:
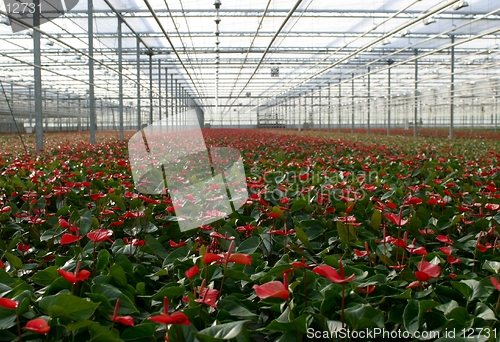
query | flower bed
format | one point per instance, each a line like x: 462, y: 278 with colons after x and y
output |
x: 362, y: 234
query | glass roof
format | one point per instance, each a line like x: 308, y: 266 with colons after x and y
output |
x: 310, y: 44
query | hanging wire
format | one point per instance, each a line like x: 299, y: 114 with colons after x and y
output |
x: 13, y: 118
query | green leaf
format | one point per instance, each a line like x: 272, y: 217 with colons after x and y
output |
x: 410, y: 316
x: 64, y: 305
x: 156, y: 246
x: 78, y: 325
x: 303, y: 238
x: 484, y: 312
x: 14, y: 260
x: 45, y: 277
x: 141, y: 331
x: 248, y: 246
x: 298, y: 204
x: 170, y: 291
x: 102, y: 259
x: 376, y: 219
x: 118, y: 274
x: 235, y: 309
x: 112, y: 293
x: 221, y: 332
x: 85, y: 222
x: 363, y: 316
x: 492, y: 266
x: 99, y: 333
x: 346, y: 232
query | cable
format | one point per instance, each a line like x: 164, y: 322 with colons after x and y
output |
x: 13, y: 118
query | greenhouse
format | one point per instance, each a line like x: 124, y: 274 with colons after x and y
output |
x: 249, y: 171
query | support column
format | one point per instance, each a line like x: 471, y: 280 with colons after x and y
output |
x: 38, y: 79
x: 389, y: 100
x: 138, y: 61
x: 159, y: 89
x: 172, y: 98
x: 150, y: 88
x: 352, y: 101
x: 300, y: 109
x: 369, y: 101
x: 452, y: 93
x: 340, y: 105
x: 415, y: 122
x: 320, y: 109
x: 90, y: 30
x: 166, y: 96
x: 120, y: 79
x: 329, y: 108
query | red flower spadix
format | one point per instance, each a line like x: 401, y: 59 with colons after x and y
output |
x: 126, y: 320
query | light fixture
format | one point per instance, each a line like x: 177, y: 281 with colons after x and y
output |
x: 386, y: 41
x: 217, y: 4
x: 217, y: 20
x: 405, y: 33
x: 459, y: 5
x: 429, y: 20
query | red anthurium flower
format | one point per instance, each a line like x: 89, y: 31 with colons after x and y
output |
x: 99, y: 235
x: 444, y: 239
x: 116, y: 223
x: 330, y: 273
x: 192, y: 272
x: 23, y: 248
x: 63, y: 223
x: 453, y: 276
x: 73, y: 278
x: 177, y: 245
x: 273, y: 289
x: 126, y: 320
x: 453, y: 260
x: 426, y: 232
x: 364, y: 253
x: 38, y: 325
x: 209, y: 258
x: 165, y: 318
x: 414, y: 284
x: 396, y: 219
x: 367, y: 289
x: 2, y: 265
x: 446, y: 250
x: 5, y: 209
x: 301, y: 264
x: 492, y: 206
x: 8, y: 303
x: 133, y: 242
x: 398, y: 267
x: 220, y: 236
x: 273, y: 215
x: 427, y: 271
x: 239, y: 258
x: 208, y: 296
x: 495, y: 283
x: 69, y: 238
x: 413, y: 200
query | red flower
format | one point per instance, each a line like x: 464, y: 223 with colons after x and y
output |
x: 99, y: 235
x: 453, y: 276
x: 63, y: 223
x: 208, y: 296
x: 8, y: 303
x: 192, y: 272
x: 367, y: 289
x: 427, y: 271
x: 238, y: 258
x: 273, y: 215
x: 492, y: 206
x: 446, y: 250
x: 273, y: 289
x: 69, y: 238
x: 414, y: 284
x: 332, y: 275
x: 301, y: 264
x: 133, y: 242
x: 209, y: 258
x: 220, y: 236
x: 426, y: 232
x: 23, y: 248
x: 38, y: 325
x: 444, y: 239
x: 453, y: 260
x: 495, y: 283
x: 364, y: 253
x: 177, y: 245
x: 413, y: 200
x: 396, y: 219
x: 75, y: 277
x: 126, y: 320
x: 2, y: 265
